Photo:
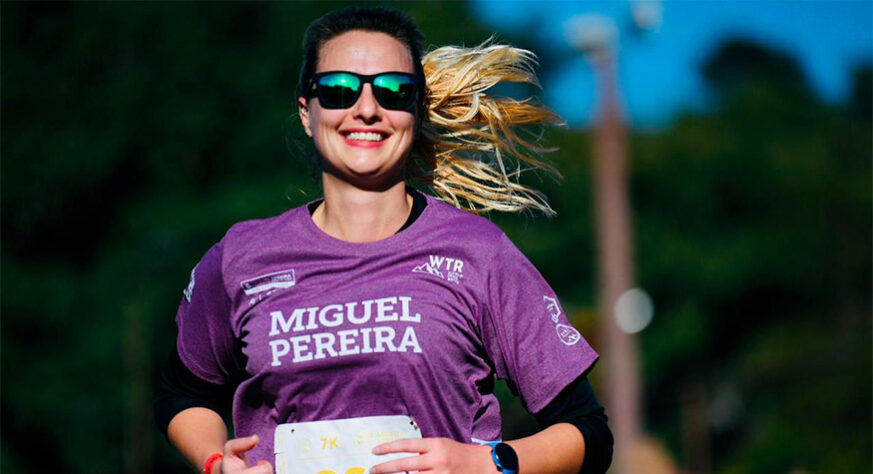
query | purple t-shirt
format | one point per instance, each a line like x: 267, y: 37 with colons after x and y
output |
x: 416, y: 324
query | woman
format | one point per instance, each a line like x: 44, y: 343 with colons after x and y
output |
x: 377, y: 299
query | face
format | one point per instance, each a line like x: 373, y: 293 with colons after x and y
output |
x: 364, y: 144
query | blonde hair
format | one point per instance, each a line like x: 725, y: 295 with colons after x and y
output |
x: 474, y: 146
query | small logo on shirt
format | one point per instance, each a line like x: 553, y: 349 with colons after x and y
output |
x: 189, y: 290
x: 553, y: 307
x: 264, y: 285
x: 436, y: 265
x: 567, y: 334
x: 270, y: 281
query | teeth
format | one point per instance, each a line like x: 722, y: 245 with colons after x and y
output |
x: 365, y: 136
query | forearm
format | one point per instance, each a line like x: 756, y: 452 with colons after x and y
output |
x: 560, y: 448
x: 197, y: 433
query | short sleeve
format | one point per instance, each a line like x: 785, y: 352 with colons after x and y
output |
x: 527, y: 334
x: 206, y: 341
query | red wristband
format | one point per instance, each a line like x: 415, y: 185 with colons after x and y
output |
x: 211, y: 461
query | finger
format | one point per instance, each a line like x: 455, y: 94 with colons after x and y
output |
x: 412, y: 463
x: 408, y: 445
x: 262, y: 467
x: 238, y: 446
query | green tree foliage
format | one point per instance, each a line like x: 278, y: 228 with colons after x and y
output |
x: 134, y: 135
x: 754, y: 236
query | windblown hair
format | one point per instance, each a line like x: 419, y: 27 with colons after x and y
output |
x: 472, y: 146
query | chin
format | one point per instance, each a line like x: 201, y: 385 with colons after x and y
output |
x: 374, y: 179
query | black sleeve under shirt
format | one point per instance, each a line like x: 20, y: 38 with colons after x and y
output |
x: 179, y: 389
x: 577, y: 405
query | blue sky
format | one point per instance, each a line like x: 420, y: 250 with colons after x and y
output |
x: 659, y: 70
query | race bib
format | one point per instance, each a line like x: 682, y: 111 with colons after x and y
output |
x: 339, y: 446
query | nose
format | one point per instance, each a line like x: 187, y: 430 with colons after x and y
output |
x: 366, y: 108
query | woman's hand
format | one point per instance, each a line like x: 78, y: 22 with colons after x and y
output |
x: 435, y: 455
x: 234, y: 460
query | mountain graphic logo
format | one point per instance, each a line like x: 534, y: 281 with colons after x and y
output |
x: 553, y: 308
x: 427, y: 268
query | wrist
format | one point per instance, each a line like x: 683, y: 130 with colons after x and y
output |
x: 213, y: 464
x: 484, y: 463
x: 503, y: 457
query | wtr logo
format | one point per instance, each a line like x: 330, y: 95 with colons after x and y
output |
x: 436, y: 265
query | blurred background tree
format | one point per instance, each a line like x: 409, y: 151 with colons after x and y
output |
x: 134, y: 135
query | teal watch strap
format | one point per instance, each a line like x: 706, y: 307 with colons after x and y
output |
x: 504, y: 457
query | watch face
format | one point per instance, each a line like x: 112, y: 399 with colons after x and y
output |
x: 506, y: 456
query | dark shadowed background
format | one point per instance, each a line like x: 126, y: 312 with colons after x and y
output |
x: 135, y: 134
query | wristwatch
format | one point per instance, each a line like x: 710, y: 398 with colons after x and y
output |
x: 504, y: 457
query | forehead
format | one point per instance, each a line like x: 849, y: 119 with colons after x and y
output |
x: 364, y: 52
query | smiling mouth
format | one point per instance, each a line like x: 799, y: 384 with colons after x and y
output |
x: 372, y: 137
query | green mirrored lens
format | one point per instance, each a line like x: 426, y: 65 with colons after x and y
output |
x: 392, y: 82
x: 394, y: 91
x: 338, y: 90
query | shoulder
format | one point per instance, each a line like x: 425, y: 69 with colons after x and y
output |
x: 463, y: 225
x: 257, y: 228
x: 475, y: 236
x: 478, y: 235
x: 255, y: 236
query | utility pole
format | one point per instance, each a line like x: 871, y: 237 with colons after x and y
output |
x: 615, y: 259
x: 597, y: 37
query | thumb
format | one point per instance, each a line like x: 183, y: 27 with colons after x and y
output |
x: 238, y: 446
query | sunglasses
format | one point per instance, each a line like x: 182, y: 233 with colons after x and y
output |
x: 341, y: 89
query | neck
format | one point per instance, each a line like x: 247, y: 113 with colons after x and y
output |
x: 360, y: 215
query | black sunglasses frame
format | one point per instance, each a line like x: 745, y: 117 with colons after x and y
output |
x: 313, y: 89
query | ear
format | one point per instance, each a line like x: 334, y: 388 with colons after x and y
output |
x: 303, y: 111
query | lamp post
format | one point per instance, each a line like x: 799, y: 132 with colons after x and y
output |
x: 596, y: 36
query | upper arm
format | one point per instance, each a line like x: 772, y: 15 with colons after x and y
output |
x: 527, y: 334
x: 206, y: 342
